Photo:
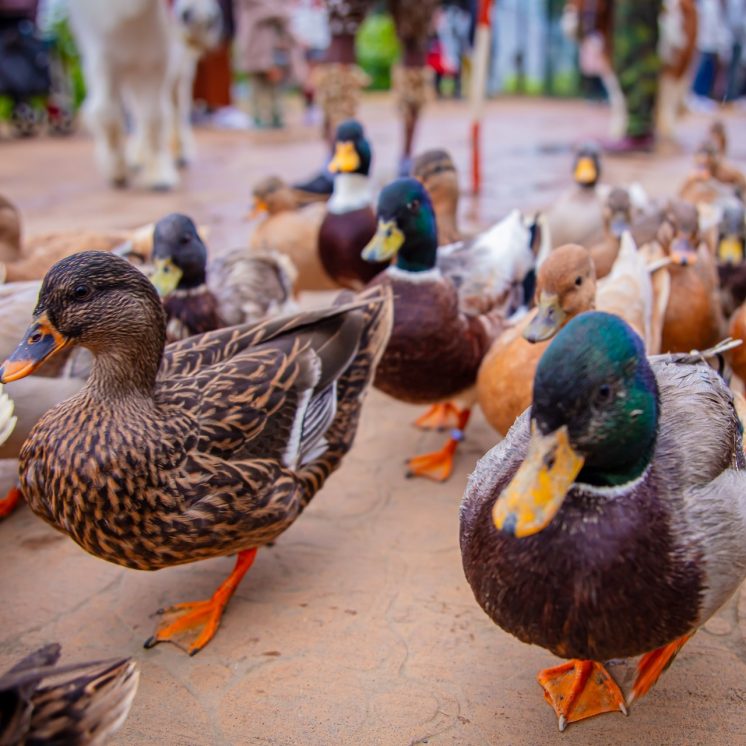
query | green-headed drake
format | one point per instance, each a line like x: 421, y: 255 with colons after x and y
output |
x: 610, y: 522
x: 350, y: 221
x: 449, y: 306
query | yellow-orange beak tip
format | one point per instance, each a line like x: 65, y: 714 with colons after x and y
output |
x: 40, y: 342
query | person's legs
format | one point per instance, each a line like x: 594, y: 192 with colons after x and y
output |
x: 733, y: 86
x: 704, y: 78
x: 637, y: 64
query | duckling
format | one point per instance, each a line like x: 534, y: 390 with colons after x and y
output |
x: 694, y: 318
x: 609, y: 523
x: 350, y: 221
x: 566, y: 286
x: 577, y: 216
x: 290, y: 228
x: 203, y: 448
x: 712, y: 181
x: 86, y: 704
x: 449, y: 306
x: 437, y: 172
x: 236, y: 288
x: 731, y: 252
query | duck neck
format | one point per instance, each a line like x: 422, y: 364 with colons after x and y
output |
x: 351, y: 192
x: 418, y: 254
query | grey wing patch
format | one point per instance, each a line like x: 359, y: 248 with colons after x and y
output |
x: 319, y: 416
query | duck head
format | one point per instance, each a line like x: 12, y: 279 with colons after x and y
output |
x: 587, y: 166
x: 352, y: 152
x: 407, y: 229
x: 731, y: 247
x: 437, y: 172
x: 565, y: 287
x: 707, y: 159
x: 594, y: 420
x: 617, y: 212
x: 100, y: 301
x: 271, y: 196
x: 719, y: 136
x: 679, y: 232
x: 179, y: 255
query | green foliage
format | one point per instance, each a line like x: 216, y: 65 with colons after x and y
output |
x: 377, y: 48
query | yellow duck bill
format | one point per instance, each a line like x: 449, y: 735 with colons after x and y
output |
x: 731, y: 249
x: 385, y: 244
x: 346, y: 160
x: 40, y: 342
x: 548, y: 320
x: 585, y: 171
x: 538, y: 489
x: 166, y: 276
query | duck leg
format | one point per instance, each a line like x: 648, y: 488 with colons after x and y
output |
x: 9, y: 503
x: 653, y: 664
x: 195, y: 623
x: 438, y: 465
x: 439, y: 417
x: 580, y: 689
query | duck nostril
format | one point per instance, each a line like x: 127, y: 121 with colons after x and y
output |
x: 34, y: 338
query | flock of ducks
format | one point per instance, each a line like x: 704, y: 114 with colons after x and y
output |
x: 185, y: 409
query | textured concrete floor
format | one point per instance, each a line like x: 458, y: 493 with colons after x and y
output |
x: 357, y: 626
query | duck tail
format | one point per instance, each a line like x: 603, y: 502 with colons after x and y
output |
x: 377, y: 308
x: 85, y: 708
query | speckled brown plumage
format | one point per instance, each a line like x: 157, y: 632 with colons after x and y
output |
x: 82, y: 703
x: 191, y: 311
x: 170, y: 457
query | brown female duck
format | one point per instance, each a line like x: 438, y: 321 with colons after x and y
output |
x: 79, y: 704
x: 208, y: 447
x: 437, y: 172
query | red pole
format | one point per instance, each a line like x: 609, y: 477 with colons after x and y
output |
x: 479, y: 84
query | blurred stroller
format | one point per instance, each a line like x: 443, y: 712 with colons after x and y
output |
x: 34, y: 76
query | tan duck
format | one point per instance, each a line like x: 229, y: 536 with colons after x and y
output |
x: 208, y: 447
x: 694, y: 318
x: 349, y: 222
x: 566, y: 286
x: 291, y: 229
x: 29, y: 259
x: 449, y: 306
x: 235, y: 288
x: 80, y: 704
x: 437, y: 172
x: 712, y: 181
x: 577, y: 216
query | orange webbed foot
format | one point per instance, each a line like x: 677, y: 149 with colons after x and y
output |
x: 439, y: 417
x: 438, y: 465
x: 10, y: 502
x: 192, y: 625
x: 653, y: 664
x: 580, y: 689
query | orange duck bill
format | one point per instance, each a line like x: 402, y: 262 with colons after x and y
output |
x: 40, y: 342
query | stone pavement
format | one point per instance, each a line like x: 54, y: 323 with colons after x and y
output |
x: 357, y: 626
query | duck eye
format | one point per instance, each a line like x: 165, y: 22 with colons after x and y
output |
x: 81, y: 292
x: 578, y: 281
x: 414, y: 205
x: 185, y: 238
x: 604, y: 393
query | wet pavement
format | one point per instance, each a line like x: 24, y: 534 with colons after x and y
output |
x: 357, y: 626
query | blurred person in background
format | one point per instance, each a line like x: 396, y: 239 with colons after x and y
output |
x: 269, y: 53
x: 310, y: 25
x: 714, y: 42
x: 452, y: 42
x: 735, y: 85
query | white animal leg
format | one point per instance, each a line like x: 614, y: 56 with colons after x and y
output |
x: 618, y: 104
x: 183, y: 137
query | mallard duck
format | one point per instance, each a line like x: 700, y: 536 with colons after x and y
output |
x: 694, y: 318
x: 78, y: 705
x: 577, y: 216
x: 349, y: 222
x: 31, y: 258
x: 731, y: 253
x: 236, y: 288
x: 290, y: 229
x: 566, y: 286
x: 712, y: 180
x: 609, y: 523
x: 209, y: 447
x: 449, y: 306
x: 437, y: 172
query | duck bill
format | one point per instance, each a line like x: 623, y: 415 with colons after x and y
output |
x: 731, y: 249
x: 166, y: 276
x: 548, y: 320
x: 346, y: 160
x: 386, y: 243
x: 258, y: 209
x: 619, y: 224
x: 683, y: 251
x: 539, y: 487
x: 40, y: 342
x: 586, y: 172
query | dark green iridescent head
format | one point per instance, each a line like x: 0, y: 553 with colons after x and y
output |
x: 404, y: 209
x: 595, y: 379
x: 351, y: 133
